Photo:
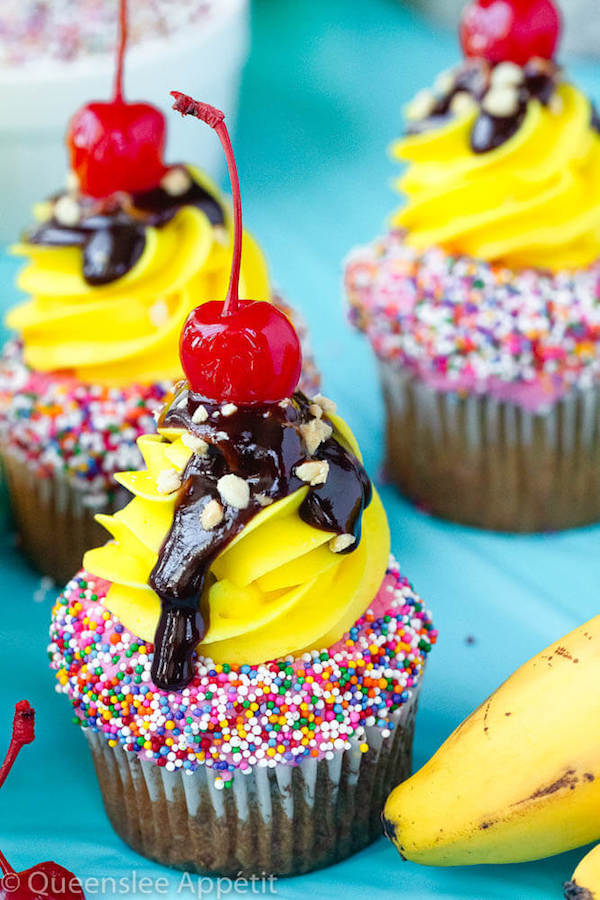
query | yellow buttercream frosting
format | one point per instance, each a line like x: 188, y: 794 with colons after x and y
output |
x: 276, y: 589
x: 533, y: 201
x: 127, y: 331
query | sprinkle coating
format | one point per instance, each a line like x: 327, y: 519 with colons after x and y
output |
x: 468, y: 325
x: 233, y: 718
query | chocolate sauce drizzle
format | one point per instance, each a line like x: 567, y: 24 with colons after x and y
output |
x: 474, y: 78
x: 112, y: 238
x: 263, y: 445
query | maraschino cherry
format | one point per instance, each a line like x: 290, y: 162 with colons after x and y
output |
x: 510, y: 30
x: 115, y: 145
x: 47, y: 880
x: 241, y: 351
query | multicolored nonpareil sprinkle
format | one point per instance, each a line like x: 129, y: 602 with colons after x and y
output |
x: 234, y: 718
x: 61, y: 425
x: 464, y: 324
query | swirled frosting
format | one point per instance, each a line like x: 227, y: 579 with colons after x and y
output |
x: 504, y: 166
x: 110, y: 288
x: 290, y: 566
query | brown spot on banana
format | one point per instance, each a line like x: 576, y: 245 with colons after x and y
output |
x: 569, y: 780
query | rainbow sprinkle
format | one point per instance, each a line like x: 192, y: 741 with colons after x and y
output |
x: 466, y: 324
x: 234, y: 718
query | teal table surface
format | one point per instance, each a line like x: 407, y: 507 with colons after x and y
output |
x: 321, y: 100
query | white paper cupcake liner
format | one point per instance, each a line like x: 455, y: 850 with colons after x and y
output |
x: 283, y: 820
x: 485, y: 462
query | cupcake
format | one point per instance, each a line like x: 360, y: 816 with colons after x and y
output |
x: 482, y: 301
x: 114, y: 265
x: 257, y: 656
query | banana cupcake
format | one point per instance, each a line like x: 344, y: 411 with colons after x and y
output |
x: 482, y: 301
x: 114, y: 265
x: 243, y: 656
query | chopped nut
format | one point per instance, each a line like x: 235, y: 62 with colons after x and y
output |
x: 444, y: 83
x: 176, y: 181
x: 263, y: 499
x: 341, y: 542
x: 194, y: 443
x: 234, y: 491
x: 66, y: 211
x: 220, y: 235
x: 314, y: 472
x: 168, y: 481
x: 328, y: 406
x: 315, y: 410
x: 159, y: 314
x: 501, y: 101
x: 314, y: 433
x: 200, y: 415
x: 507, y: 73
x: 211, y: 515
x: 421, y: 106
x: 462, y: 103
x: 72, y: 182
x: 285, y: 402
x: 228, y: 409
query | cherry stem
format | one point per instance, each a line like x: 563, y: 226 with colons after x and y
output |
x: 7, y: 869
x: 187, y: 106
x: 22, y: 733
x: 123, y: 32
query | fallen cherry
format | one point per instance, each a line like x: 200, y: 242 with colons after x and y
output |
x: 510, y: 30
x: 47, y: 880
x: 115, y: 145
x: 241, y: 351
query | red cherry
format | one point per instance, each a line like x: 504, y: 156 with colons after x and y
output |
x: 510, y: 30
x: 117, y: 146
x: 239, y: 351
x: 46, y: 880
x: 248, y: 356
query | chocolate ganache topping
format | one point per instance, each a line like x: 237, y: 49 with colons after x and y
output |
x: 501, y: 93
x: 112, y: 232
x: 264, y: 449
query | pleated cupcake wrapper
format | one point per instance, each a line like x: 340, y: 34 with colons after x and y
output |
x: 54, y: 517
x: 282, y: 820
x: 482, y: 461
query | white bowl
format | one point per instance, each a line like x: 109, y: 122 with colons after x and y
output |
x: 37, y: 101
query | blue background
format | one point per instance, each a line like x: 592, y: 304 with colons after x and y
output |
x: 321, y: 100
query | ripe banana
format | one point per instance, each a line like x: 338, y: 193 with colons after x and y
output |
x: 519, y: 779
x: 585, y: 882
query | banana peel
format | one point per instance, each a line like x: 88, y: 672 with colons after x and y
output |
x: 519, y: 779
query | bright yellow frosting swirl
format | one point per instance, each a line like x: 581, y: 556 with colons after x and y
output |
x: 127, y: 331
x: 277, y: 589
x: 533, y: 201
